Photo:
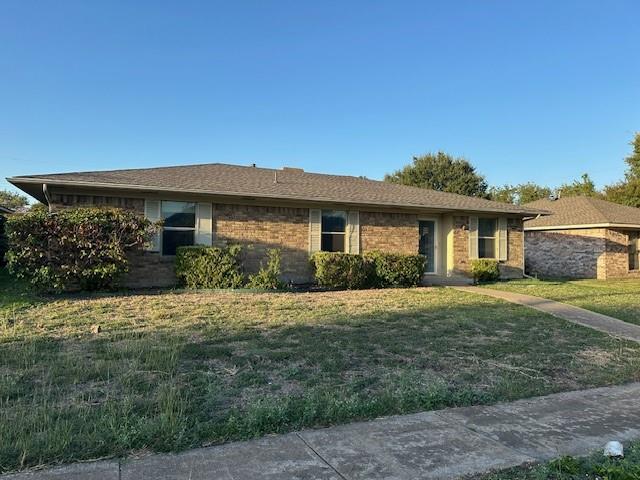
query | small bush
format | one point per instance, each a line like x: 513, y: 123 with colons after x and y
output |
x: 209, y: 267
x: 485, y: 270
x: 82, y: 248
x: 396, y: 270
x: 341, y: 270
x: 268, y: 277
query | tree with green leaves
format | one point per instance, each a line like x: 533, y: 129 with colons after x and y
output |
x: 583, y: 187
x: 12, y: 200
x: 443, y: 172
x: 627, y: 192
x: 519, y: 194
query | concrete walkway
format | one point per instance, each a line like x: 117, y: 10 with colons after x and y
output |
x: 443, y: 444
x: 578, y: 315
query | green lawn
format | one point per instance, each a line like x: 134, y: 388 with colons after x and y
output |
x: 617, y: 298
x: 594, y: 467
x: 178, y: 369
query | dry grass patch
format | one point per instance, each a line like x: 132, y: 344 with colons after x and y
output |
x: 171, y: 370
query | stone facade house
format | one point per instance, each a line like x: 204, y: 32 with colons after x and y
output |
x: 583, y: 238
x: 296, y: 212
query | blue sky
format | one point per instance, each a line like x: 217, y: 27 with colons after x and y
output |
x: 539, y: 91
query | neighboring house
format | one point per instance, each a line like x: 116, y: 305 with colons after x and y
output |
x: 583, y: 238
x: 6, y: 210
x: 297, y: 212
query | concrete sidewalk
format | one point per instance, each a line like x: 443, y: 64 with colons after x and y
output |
x: 578, y: 315
x: 443, y: 444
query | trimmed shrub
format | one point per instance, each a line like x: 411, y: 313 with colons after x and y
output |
x: 209, y: 267
x: 77, y: 249
x: 268, y: 277
x: 396, y: 270
x: 341, y: 270
x: 485, y: 270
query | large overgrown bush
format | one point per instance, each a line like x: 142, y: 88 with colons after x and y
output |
x: 396, y: 270
x: 268, y: 277
x: 3, y: 239
x: 341, y: 270
x: 210, y: 267
x: 485, y: 270
x: 82, y: 248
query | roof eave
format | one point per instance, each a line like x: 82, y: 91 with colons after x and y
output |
x: 21, y: 181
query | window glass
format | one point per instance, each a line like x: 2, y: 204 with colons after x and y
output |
x: 487, y: 227
x: 634, y: 254
x: 487, y: 237
x: 172, y: 239
x: 332, y: 242
x: 179, y: 214
x: 333, y: 221
x: 486, y: 247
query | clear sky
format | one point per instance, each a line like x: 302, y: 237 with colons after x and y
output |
x: 526, y: 90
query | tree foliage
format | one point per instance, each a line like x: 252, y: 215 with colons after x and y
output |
x: 627, y: 191
x: 583, y: 187
x: 12, y: 200
x: 443, y: 172
x: 82, y: 248
x: 519, y: 194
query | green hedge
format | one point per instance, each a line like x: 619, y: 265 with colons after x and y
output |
x: 209, y: 267
x: 485, y: 270
x: 341, y: 270
x: 268, y: 277
x: 374, y: 269
x: 76, y: 249
x: 396, y: 270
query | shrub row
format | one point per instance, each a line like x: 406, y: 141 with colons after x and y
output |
x: 221, y: 267
x: 374, y: 269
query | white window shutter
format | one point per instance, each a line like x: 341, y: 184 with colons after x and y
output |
x: 315, y: 229
x: 353, y: 230
x: 204, y: 224
x: 502, y: 239
x: 152, y: 213
x: 473, y: 238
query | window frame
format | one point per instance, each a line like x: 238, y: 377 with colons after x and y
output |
x: 495, y: 237
x: 343, y: 233
x: 177, y: 229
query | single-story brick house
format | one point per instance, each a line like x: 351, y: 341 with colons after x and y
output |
x: 297, y: 212
x: 583, y: 238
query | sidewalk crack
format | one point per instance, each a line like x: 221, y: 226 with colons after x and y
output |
x: 320, y: 457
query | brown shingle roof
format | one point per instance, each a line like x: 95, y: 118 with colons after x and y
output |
x: 571, y: 211
x: 291, y: 184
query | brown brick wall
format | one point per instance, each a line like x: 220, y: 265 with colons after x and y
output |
x: 261, y: 228
x: 579, y: 253
x: 461, y: 263
x: 62, y: 201
x: 389, y: 232
x: 512, y: 268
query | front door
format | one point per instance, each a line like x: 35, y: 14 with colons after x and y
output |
x: 427, y: 247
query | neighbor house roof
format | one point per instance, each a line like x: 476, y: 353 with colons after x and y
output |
x: 4, y: 209
x: 576, y: 212
x: 285, y: 184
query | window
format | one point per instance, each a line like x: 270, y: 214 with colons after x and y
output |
x: 634, y: 250
x: 487, y: 237
x: 179, y: 225
x: 334, y: 223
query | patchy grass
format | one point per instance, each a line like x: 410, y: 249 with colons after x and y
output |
x: 594, y: 467
x: 176, y: 369
x: 617, y: 298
